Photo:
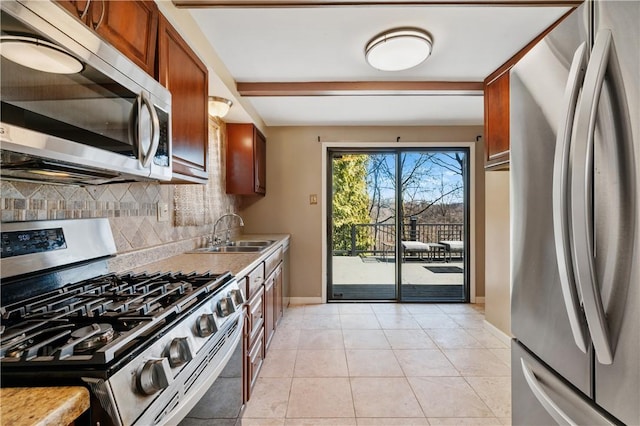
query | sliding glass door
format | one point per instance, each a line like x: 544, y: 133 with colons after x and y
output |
x: 362, y: 226
x: 397, y: 224
x: 433, y: 202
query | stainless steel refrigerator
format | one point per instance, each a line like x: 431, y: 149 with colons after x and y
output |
x: 575, y: 224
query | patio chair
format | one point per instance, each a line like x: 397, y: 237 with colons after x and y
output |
x: 452, y: 241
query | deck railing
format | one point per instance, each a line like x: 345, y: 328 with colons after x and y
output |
x: 383, y: 235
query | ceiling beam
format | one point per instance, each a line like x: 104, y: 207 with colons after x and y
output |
x: 193, y: 4
x: 362, y: 88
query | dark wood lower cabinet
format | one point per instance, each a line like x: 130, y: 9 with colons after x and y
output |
x: 264, y: 310
x: 254, y: 334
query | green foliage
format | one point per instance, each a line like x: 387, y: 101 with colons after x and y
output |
x: 350, y: 202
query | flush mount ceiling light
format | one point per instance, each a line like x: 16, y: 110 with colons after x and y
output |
x: 219, y: 107
x: 398, y: 49
x: 39, y: 55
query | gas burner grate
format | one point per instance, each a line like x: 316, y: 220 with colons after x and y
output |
x: 113, y: 309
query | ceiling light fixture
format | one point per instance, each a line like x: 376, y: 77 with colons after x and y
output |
x: 39, y: 55
x: 219, y: 107
x: 398, y: 49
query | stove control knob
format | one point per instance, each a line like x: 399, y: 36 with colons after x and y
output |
x: 225, y: 307
x: 206, y: 325
x: 154, y: 376
x: 180, y: 351
x: 236, y: 296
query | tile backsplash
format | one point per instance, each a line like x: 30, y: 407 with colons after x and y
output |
x: 130, y: 207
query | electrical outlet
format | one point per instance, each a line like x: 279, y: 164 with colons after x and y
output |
x: 313, y: 199
x: 163, y: 212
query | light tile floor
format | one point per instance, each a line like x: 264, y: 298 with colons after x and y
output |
x: 383, y: 364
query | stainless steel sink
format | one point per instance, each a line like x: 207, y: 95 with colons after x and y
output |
x: 229, y: 249
x: 239, y: 246
x: 254, y: 243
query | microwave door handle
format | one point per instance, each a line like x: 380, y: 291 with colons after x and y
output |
x: 582, y: 197
x: 560, y: 203
x: 134, y: 128
x: 146, y: 157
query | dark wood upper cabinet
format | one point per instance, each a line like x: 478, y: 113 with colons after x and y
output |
x: 185, y: 75
x: 246, y: 160
x: 130, y: 26
x: 497, y: 104
x: 496, y: 122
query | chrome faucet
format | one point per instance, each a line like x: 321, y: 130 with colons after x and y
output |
x: 215, y: 240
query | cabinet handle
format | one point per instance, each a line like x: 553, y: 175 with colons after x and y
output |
x: 83, y: 14
x: 560, y: 201
x: 97, y: 25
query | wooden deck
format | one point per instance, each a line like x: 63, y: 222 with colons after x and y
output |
x: 371, y: 278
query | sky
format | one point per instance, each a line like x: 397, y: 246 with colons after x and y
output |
x: 433, y: 174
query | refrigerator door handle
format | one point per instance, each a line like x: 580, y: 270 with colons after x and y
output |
x: 582, y: 197
x: 545, y: 400
x: 561, y: 226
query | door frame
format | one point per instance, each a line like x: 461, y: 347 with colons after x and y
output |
x: 417, y: 145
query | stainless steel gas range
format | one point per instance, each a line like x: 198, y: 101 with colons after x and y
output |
x: 148, y: 345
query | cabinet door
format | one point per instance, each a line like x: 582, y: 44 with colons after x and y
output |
x: 255, y: 358
x: 277, y: 296
x: 130, y: 26
x: 260, y: 162
x: 269, y: 314
x: 246, y: 160
x: 183, y: 73
x: 496, y: 112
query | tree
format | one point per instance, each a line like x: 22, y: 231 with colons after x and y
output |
x: 428, y: 180
x: 350, y: 201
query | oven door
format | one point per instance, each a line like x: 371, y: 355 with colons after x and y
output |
x: 98, y: 112
x: 210, y: 384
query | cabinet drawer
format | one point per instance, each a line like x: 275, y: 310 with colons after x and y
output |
x: 255, y: 279
x: 256, y: 316
x: 273, y: 261
x: 255, y: 359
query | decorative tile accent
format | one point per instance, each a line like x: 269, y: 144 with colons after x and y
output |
x: 130, y: 207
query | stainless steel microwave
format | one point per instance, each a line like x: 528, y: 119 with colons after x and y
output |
x: 75, y: 109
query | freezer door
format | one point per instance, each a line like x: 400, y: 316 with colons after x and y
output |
x: 616, y: 215
x: 539, y: 316
x: 540, y: 397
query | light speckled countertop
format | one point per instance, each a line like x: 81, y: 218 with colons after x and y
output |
x: 239, y: 264
x: 58, y: 405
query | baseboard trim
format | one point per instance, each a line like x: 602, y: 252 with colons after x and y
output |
x: 499, y: 334
x: 305, y: 300
x: 478, y: 300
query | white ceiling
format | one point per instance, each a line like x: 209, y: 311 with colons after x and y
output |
x: 326, y: 44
